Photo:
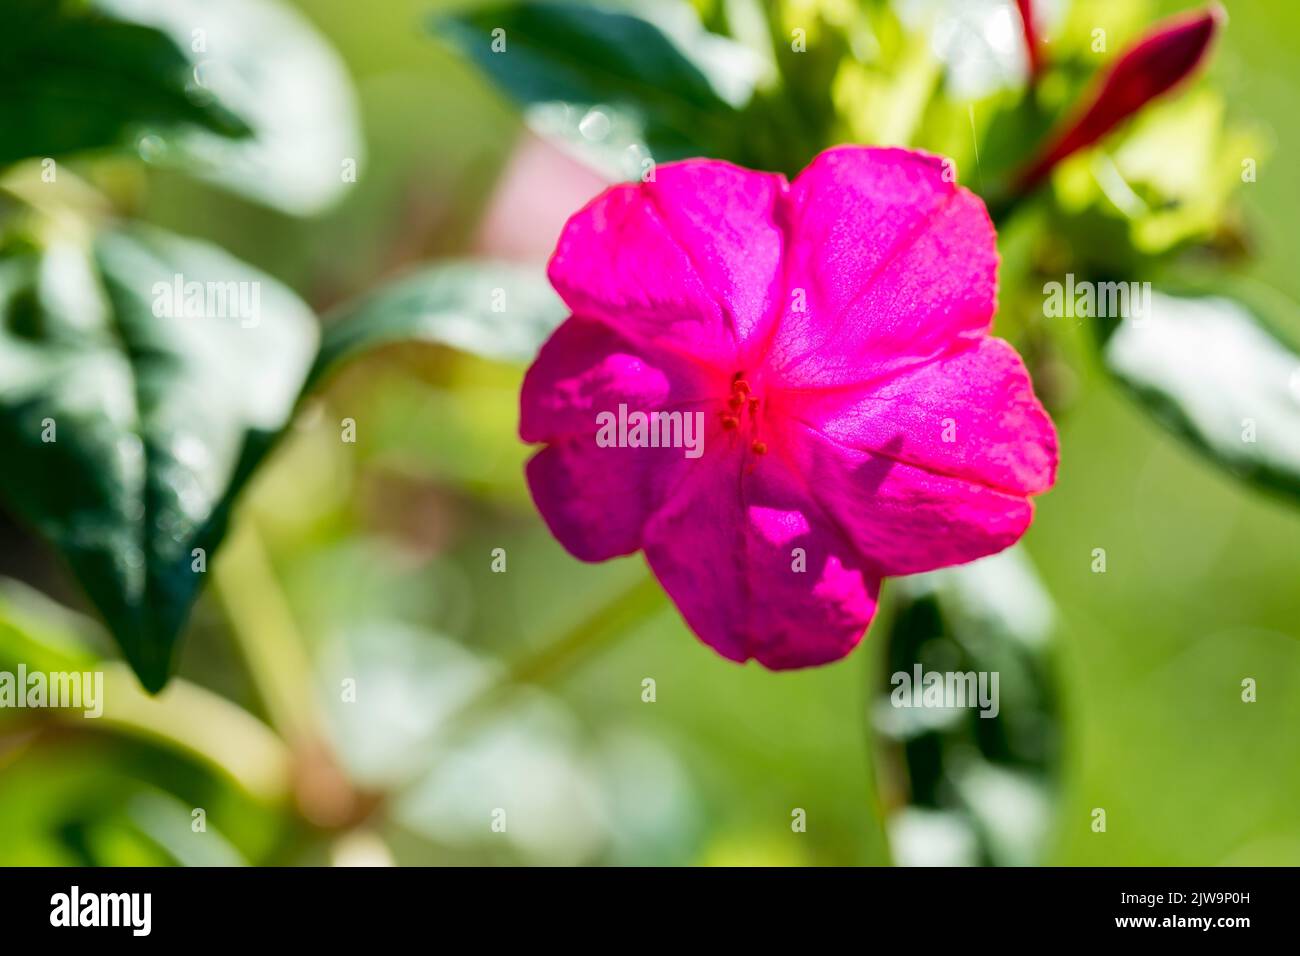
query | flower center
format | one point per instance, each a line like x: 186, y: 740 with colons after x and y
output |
x: 741, y: 413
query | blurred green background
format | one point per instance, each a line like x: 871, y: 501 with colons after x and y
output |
x: 524, y: 690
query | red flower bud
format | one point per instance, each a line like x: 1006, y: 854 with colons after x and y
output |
x: 1033, y: 44
x: 1159, y: 61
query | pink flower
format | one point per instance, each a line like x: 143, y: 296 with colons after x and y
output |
x: 832, y: 332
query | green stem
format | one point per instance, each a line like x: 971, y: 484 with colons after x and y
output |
x: 209, y: 727
x: 266, y: 634
x: 599, y: 629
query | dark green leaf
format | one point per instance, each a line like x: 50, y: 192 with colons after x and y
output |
x: 589, y: 58
x: 1209, y: 368
x: 500, y: 311
x: 133, y: 419
x: 970, y: 784
x: 243, y: 93
x: 72, y: 78
x: 266, y: 63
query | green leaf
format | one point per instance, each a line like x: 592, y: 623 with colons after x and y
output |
x: 43, y: 635
x: 133, y: 418
x: 1163, y: 183
x: 974, y: 783
x: 497, y: 310
x: 243, y: 93
x: 71, y: 78
x: 266, y: 63
x: 1209, y: 368
x: 612, y: 70
x: 168, y: 821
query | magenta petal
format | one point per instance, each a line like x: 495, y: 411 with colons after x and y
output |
x: 732, y: 564
x: 890, y: 262
x: 596, y: 500
x: 971, y: 415
x: 692, y: 258
x: 901, y: 518
x: 586, y: 368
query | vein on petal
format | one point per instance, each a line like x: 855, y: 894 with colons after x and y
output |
x: 927, y: 467
x: 921, y: 227
x: 652, y: 198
